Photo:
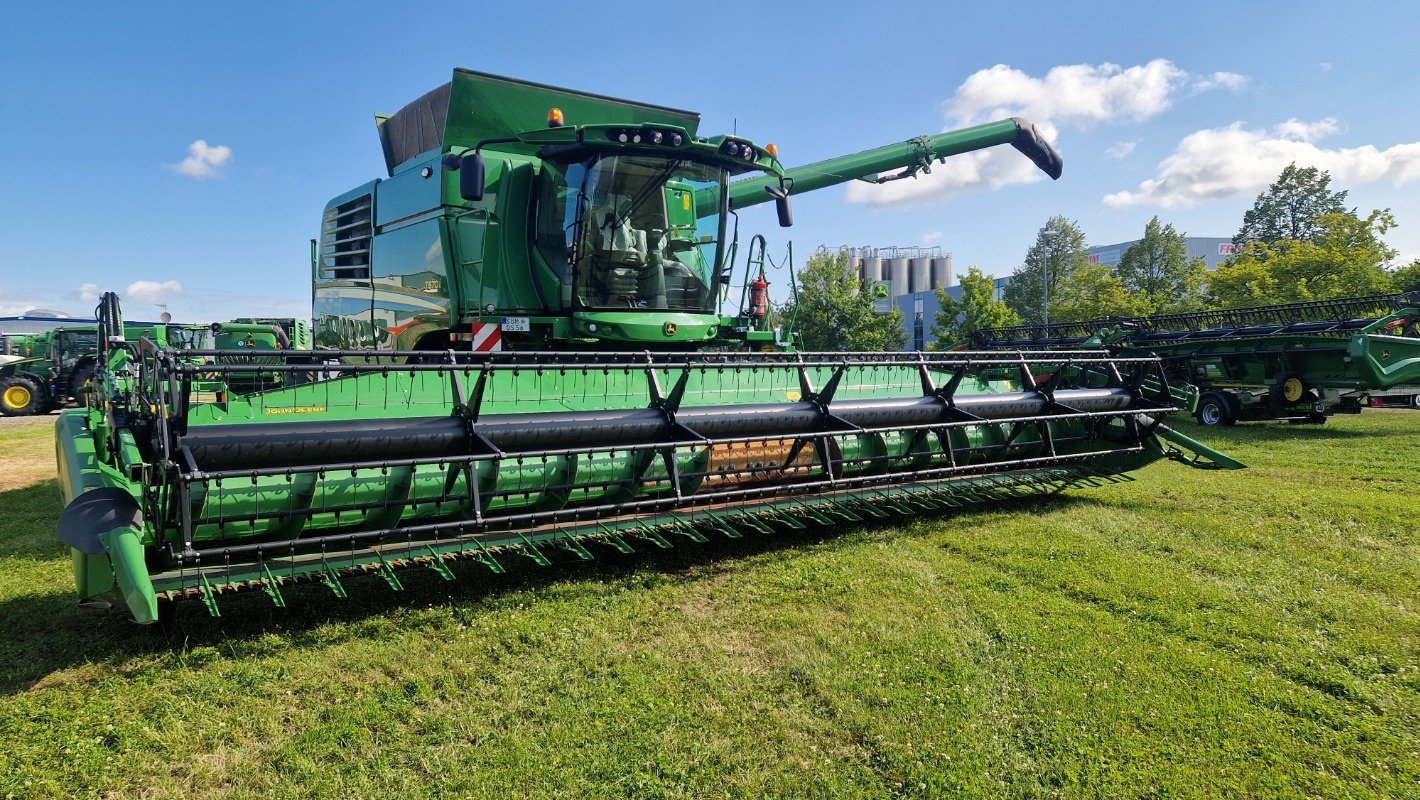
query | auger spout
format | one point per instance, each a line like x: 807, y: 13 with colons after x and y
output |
x: 912, y: 156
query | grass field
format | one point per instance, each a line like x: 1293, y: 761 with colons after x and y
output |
x: 1191, y: 634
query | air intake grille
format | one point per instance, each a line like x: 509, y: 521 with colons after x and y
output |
x: 346, y: 233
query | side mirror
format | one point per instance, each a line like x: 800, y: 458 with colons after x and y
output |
x: 781, y: 205
x: 471, y: 177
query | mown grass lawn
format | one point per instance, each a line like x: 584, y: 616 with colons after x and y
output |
x: 1191, y: 634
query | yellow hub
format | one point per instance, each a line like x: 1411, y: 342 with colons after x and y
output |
x: 1292, y: 389
x: 17, y: 397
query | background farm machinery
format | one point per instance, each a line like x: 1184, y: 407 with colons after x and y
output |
x: 54, y: 367
x: 1296, y: 361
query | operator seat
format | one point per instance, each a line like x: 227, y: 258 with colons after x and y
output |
x: 620, y: 252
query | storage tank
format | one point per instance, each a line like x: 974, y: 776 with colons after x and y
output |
x: 897, y: 270
x: 919, y: 274
x: 942, y: 272
x: 854, y: 268
x: 872, y: 270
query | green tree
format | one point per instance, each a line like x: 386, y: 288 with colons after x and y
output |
x: 1291, y: 208
x: 835, y: 312
x: 1407, y: 278
x: 1058, y: 251
x: 1159, y: 272
x: 1344, y: 258
x: 1094, y: 291
x: 978, y: 308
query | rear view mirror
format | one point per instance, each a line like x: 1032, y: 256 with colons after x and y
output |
x: 781, y: 205
x: 471, y: 177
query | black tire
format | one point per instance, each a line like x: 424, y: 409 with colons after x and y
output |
x: 80, y: 377
x: 1415, y: 401
x: 1214, y: 410
x: 20, y: 396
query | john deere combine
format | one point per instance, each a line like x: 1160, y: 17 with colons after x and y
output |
x: 1296, y: 361
x: 625, y: 409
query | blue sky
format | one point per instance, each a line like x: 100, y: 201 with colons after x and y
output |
x: 1185, y: 111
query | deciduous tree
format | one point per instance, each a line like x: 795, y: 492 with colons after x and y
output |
x: 1343, y: 258
x: 1094, y: 291
x: 1058, y: 251
x: 835, y: 311
x: 978, y: 308
x: 1159, y: 272
x: 1291, y: 208
x: 1407, y: 278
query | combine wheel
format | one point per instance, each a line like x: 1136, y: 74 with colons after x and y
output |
x: 1214, y: 410
x: 1415, y: 401
x: 19, y: 396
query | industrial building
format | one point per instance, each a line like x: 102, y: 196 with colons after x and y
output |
x: 1213, y: 250
x: 906, y: 277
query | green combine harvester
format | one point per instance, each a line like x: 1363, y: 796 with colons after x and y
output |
x: 1300, y: 362
x: 526, y: 358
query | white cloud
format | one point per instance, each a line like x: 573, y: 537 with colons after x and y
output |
x: 151, y: 292
x: 1231, y: 81
x: 1307, y: 131
x: 1235, y: 161
x: 203, y: 160
x: 1325, y: 66
x: 1080, y: 94
x: 931, y: 236
x: 89, y: 292
x: 1074, y: 95
x: 1121, y: 150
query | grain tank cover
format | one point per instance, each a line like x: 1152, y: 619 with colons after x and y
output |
x: 475, y: 106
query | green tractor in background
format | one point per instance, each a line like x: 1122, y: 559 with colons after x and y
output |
x: 55, y: 367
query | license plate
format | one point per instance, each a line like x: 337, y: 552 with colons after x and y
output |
x: 516, y: 324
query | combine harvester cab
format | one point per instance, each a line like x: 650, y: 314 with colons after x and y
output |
x: 385, y: 459
x: 1296, y: 361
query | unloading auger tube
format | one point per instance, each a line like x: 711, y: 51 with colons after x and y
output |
x: 177, y: 489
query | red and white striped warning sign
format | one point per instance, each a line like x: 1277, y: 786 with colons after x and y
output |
x: 485, y: 337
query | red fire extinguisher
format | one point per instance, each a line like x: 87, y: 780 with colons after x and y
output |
x: 759, y: 297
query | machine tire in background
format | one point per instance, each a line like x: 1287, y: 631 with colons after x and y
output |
x: 81, y: 376
x: 19, y: 396
x: 1215, y: 410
